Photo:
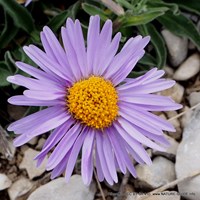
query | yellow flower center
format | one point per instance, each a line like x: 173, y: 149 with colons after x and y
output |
x: 93, y: 101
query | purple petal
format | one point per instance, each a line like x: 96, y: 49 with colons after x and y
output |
x: 25, y: 101
x: 132, y: 131
x: 109, y: 157
x: 93, y: 34
x: 87, y: 160
x: 103, y: 163
x: 74, y: 154
x: 137, y: 147
x: 64, y: 146
x: 146, y: 116
x: 44, y: 95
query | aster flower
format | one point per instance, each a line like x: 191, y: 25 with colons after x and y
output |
x: 27, y: 2
x: 91, y: 106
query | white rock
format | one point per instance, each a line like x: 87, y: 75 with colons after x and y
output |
x: 186, y: 117
x: 188, y: 69
x: 194, y: 98
x: 29, y: 164
x: 33, y: 141
x: 188, y: 158
x: 176, y: 92
x: 40, y: 144
x: 159, y: 173
x: 19, y: 188
x: 177, y: 47
x: 170, y: 151
x: 58, y: 189
x: 5, y: 182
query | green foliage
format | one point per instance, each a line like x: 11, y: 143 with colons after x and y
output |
x: 22, y: 25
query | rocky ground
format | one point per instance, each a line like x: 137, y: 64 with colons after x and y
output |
x: 177, y: 169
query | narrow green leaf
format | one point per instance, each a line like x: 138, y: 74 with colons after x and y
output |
x: 93, y: 10
x: 160, y: 4
x: 180, y: 25
x: 190, y: 5
x: 147, y: 59
x: 56, y: 22
x: 4, y: 73
x: 133, y: 20
x: 157, y: 41
x: 21, y: 17
x: 9, y: 31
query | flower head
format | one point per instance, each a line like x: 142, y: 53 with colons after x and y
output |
x: 91, y: 105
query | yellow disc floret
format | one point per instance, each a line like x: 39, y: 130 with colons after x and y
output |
x: 93, y: 101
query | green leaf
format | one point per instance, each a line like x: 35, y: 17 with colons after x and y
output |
x: 93, y: 10
x: 160, y: 4
x: 157, y: 41
x: 21, y: 17
x: 4, y: 73
x: 9, y: 31
x: 181, y: 26
x: 133, y: 20
x: 147, y: 59
x: 190, y: 5
x: 56, y: 22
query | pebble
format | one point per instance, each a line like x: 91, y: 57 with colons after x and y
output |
x: 58, y: 189
x: 188, y: 159
x: 5, y: 182
x: 159, y: 173
x: 19, y: 188
x: 29, y: 164
x: 194, y: 98
x: 33, y: 141
x: 176, y: 123
x: 40, y: 144
x: 177, y: 47
x: 176, y: 92
x: 188, y: 68
x: 186, y: 117
x: 170, y: 151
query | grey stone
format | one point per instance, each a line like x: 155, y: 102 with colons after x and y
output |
x: 176, y: 92
x: 170, y: 151
x: 188, y: 68
x: 19, y: 188
x: 58, y: 189
x: 159, y: 173
x: 194, y: 98
x: 40, y: 144
x: 188, y: 158
x: 177, y: 47
x: 5, y: 182
x: 29, y: 164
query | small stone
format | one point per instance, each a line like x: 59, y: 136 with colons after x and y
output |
x: 33, y: 141
x: 188, y: 69
x: 58, y: 189
x: 186, y: 117
x: 40, y: 143
x: 170, y: 151
x: 159, y: 173
x: 194, y: 98
x: 188, y: 159
x: 19, y: 188
x: 169, y: 71
x: 175, y: 122
x: 176, y: 92
x: 5, y: 182
x: 29, y: 164
x: 177, y: 47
